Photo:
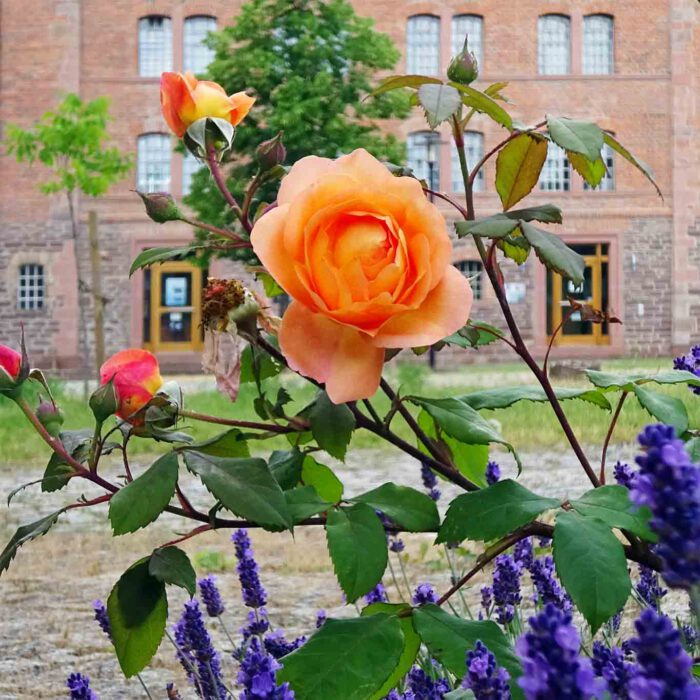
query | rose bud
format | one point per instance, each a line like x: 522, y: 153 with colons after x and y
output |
x: 104, y: 402
x: 136, y: 378
x: 184, y: 100
x: 271, y: 153
x: 464, y: 68
x: 50, y: 416
x: 10, y: 369
x: 160, y: 206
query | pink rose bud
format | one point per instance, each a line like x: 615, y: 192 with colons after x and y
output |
x: 11, y: 375
x: 50, y: 416
x: 271, y: 153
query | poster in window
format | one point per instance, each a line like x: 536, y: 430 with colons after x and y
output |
x: 175, y: 291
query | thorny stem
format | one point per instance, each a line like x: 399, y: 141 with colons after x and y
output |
x: 217, y: 174
x: 125, y: 460
x: 238, y: 241
x: 613, y: 423
x: 251, y: 425
x: 192, y: 533
x: 552, y: 338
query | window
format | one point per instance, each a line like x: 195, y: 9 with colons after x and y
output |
x: 423, y: 45
x: 153, y: 163
x: 553, y: 45
x: 155, y: 46
x: 30, y: 287
x: 423, y: 150
x: 472, y: 270
x: 196, y: 55
x: 556, y: 173
x: 474, y: 150
x: 190, y: 166
x: 607, y: 184
x: 597, y: 45
x: 473, y: 27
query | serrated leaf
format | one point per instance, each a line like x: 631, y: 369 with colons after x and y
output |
x: 592, y: 171
x: 140, y: 502
x: 151, y: 256
x: 395, y: 82
x: 613, y: 382
x: 440, y: 102
x: 500, y: 225
x: 285, y: 466
x: 554, y: 253
x: 58, y: 472
x: 627, y: 155
x: 246, y: 487
x: 358, y: 548
x: 592, y: 567
x: 230, y: 443
x: 172, y: 566
x: 410, y: 509
x: 492, y: 512
x: 137, y: 609
x: 258, y: 366
x: 666, y: 409
x: 473, y: 335
x: 503, y: 397
x: 303, y: 502
x: 518, y: 167
x: 612, y: 505
x: 581, y: 137
x: 325, y: 482
x: 349, y: 659
x: 26, y: 533
x: 482, y: 102
x: 331, y: 425
x: 515, y: 247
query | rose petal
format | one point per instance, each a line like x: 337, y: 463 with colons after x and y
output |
x: 304, y: 173
x: 174, y: 97
x: 240, y: 106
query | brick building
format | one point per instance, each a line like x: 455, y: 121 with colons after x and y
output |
x: 632, y: 65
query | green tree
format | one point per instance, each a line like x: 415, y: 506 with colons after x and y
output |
x: 311, y: 63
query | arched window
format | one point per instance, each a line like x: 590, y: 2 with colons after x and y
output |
x: 597, y: 45
x: 473, y: 271
x: 423, y: 151
x: 556, y: 171
x: 553, y: 45
x: 473, y: 27
x: 474, y: 150
x: 155, y: 45
x: 423, y: 45
x: 31, y: 287
x: 190, y: 166
x: 607, y: 184
x: 153, y: 163
x: 196, y: 55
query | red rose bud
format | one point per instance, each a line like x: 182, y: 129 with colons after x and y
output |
x: 160, y: 206
x: 136, y: 378
x: 50, y: 416
x: 103, y: 402
x: 464, y: 68
x: 10, y: 369
x: 271, y: 153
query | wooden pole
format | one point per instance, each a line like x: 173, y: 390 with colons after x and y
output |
x: 98, y: 302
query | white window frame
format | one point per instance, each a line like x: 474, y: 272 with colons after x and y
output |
x: 554, y: 44
x: 473, y: 26
x: 598, y: 45
x: 155, y: 45
x: 196, y: 55
x: 423, y: 45
x: 418, y: 147
x: 31, y: 287
x: 556, y: 171
x: 153, y: 162
x: 474, y: 150
x: 473, y: 270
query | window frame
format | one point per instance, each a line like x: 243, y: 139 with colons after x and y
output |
x: 424, y: 174
x: 456, y: 46
x: 35, y: 297
x: 166, y: 139
x: 475, y: 277
x: 564, y: 177
x: 607, y: 184
x: 189, y: 21
x: 413, y: 60
x: 473, y: 158
x: 541, y: 48
x: 166, y: 62
x: 610, y: 19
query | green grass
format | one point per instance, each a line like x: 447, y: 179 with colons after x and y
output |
x: 526, y: 425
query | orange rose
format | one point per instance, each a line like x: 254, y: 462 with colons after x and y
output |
x: 184, y: 100
x: 136, y: 380
x: 366, y: 258
x: 10, y: 362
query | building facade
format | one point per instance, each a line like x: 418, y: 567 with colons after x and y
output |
x: 630, y: 65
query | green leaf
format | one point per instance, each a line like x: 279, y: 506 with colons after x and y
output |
x: 303, y: 502
x: 331, y: 425
x: 463, y: 423
x: 137, y: 609
x: 592, y: 171
x: 497, y: 226
x: 410, y: 509
x: 258, y: 366
x: 515, y: 247
x: 585, y: 138
x: 26, y: 533
x: 357, y: 545
x: 481, y: 102
x: 58, y: 472
x: 592, y: 567
x: 554, y: 253
x: 640, y: 165
x: 172, y: 566
x: 395, y: 82
x: 666, y: 409
x: 410, y: 648
x: 492, y: 512
x: 230, y: 443
x: 693, y: 449
x: 459, y: 694
x: 349, y: 659
x: 285, y: 466
x: 151, y: 256
x: 440, y: 102
x: 503, y: 397
x: 245, y: 486
x: 518, y: 167
x: 448, y: 638
x: 612, y: 505
x: 140, y: 502
x: 327, y: 484
x: 474, y: 334
x: 613, y: 382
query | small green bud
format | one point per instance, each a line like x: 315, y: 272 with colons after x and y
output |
x: 160, y: 206
x: 271, y: 153
x: 51, y: 417
x: 104, y: 401
x: 464, y: 68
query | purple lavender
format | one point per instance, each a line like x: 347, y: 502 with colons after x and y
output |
x: 430, y: 481
x: 691, y: 636
x: 663, y: 669
x: 484, y: 677
x: 423, y: 687
x: 669, y: 483
x: 257, y: 676
x: 493, y: 473
x: 377, y: 595
x: 211, y: 596
x: 690, y: 363
x: 424, y: 594
x: 486, y: 598
x: 649, y: 589
x: 79, y: 687
x: 277, y: 645
x: 257, y: 624
x: 396, y: 545
x: 546, y: 585
x: 506, y: 588
x: 523, y: 553
x: 624, y: 474
x: 321, y: 618
x: 552, y: 666
x: 610, y: 664
x: 254, y: 595
x: 102, y: 617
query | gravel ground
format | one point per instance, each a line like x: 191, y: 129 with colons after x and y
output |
x: 47, y: 631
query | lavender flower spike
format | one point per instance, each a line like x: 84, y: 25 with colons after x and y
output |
x: 610, y: 665
x: 254, y: 595
x: 211, y: 596
x: 649, y: 589
x: 506, y: 588
x: 79, y: 687
x: 430, y: 481
x: 377, y: 595
x: 484, y: 678
x: 424, y: 594
x: 257, y: 676
x: 102, y: 618
x: 493, y: 473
